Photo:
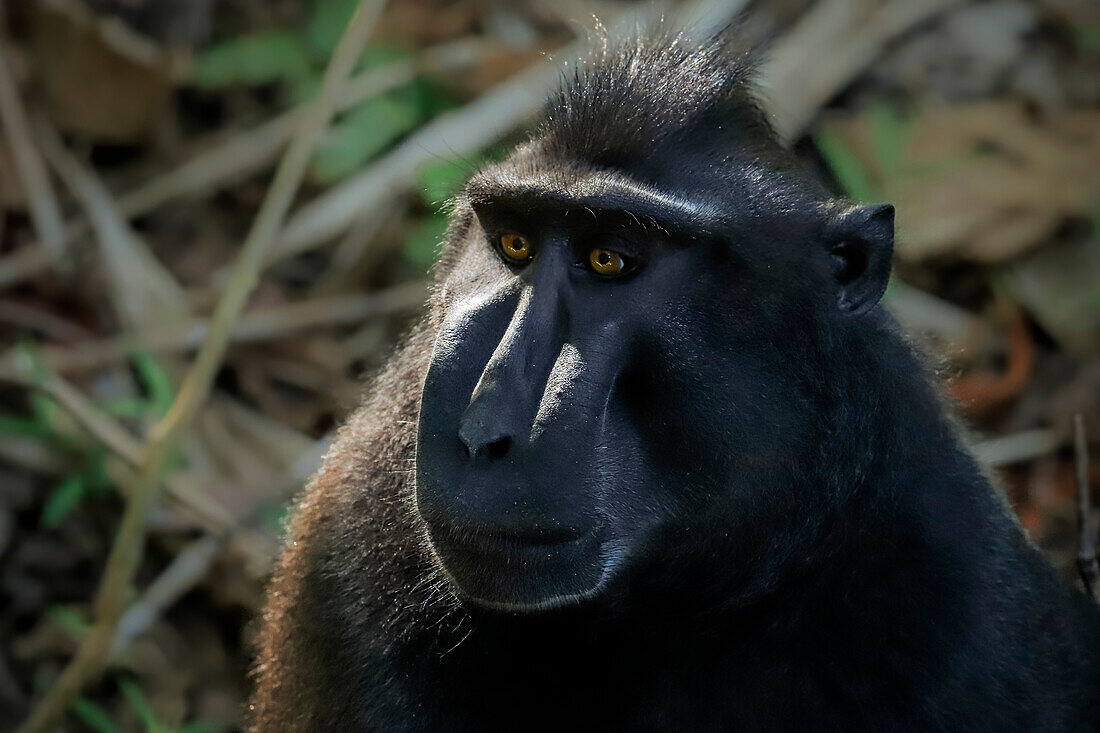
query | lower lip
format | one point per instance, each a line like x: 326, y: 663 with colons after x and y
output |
x: 503, y: 572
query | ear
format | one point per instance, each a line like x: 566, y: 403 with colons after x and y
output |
x: 861, y: 243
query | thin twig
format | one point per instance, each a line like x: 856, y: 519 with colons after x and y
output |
x: 208, y: 512
x: 248, y: 151
x: 50, y: 325
x: 461, y: 132
x: 831, y: 45
x: 1086, y: 553
x: 100, y: 425
x: 30, y: 169
x: 353, y: 248
x: 25, y: 262
x: 261, y: 324
x: 128, y: 547
x: 185, y: 571
x: 464, y: 131
x: 921, y: 311
x: 1027, y: 445
x: 143, y: 290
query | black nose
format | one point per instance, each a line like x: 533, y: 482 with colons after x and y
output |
x: 482, y: 443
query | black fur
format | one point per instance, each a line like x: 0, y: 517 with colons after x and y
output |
x: 787, y: 533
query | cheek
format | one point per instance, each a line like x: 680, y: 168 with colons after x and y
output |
x: 715, y: 395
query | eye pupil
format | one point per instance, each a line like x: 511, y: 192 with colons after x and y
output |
x: 515, y: 248
x: 606, y: 262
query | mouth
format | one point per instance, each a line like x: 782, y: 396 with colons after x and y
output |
x: 528, y: 570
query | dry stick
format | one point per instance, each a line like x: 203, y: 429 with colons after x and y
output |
x: 464, y: 131
x: 101, y: 426
x: 1018, y: 447
x: 143, y: 290
x: 256, y: 325
x: 185, y: 571
x: 1086, y: 557
x: 45, y: 212
x: 798, y: 80
x: 154, y: 444
x: 190, y: 567
x: 829, y: 46
x: 26, y: 262
x: 211, y: 515
x: 128, y: 546
x: 246, y: 152
x: 924, y: 312
x: 251, y: 150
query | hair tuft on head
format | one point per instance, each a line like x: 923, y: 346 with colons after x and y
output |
x: 657, y: 88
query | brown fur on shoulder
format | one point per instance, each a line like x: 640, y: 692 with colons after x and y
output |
x: 357, y: 494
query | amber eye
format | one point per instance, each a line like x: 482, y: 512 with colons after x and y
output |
x: 606, y: 262
x: 515, y: 248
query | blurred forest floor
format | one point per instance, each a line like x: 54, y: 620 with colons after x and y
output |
x: 139, y: 137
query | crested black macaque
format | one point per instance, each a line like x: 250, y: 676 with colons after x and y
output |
x: 656, y: 459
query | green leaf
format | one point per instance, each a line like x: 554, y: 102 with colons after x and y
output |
x: 141, y: 707
x: 366, y: 130
x: 94, y: 716
x: 61, y: 501
x: 378, y: 54
x: 304, y: 89
x: 25, y: 427
x: 327, y: 23
x: 156, y: 385
x: 1088, y: 37
x: 431, y: 98
x: 43, y: 407
x: 259, y: 58
x: 440, y: 180
x: 128, y: 407
x: 890, y: 136
x: 155, y: 381
x: 845, y: 166
x: 422, y: 246
x: 71, y: 621
x: 97, y: 478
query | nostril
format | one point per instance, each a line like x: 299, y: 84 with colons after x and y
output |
x: 499, y: 448
x: 472, y: 449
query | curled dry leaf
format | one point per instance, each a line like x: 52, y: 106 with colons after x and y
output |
x: 977, y: 393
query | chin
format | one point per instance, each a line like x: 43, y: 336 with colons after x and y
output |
x: 504, y: 574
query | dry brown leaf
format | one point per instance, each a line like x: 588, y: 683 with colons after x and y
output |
x: 429, y: 21
x: 98, y: 78
x: 1060, y: 286
x: 983, y: 182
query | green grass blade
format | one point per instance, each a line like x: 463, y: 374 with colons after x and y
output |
x: 94, y: 716
x: 70, y: 620
x: 62, y: 500
x: 141, y: 706
x: 845, y: 166
x: 155, y: 381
